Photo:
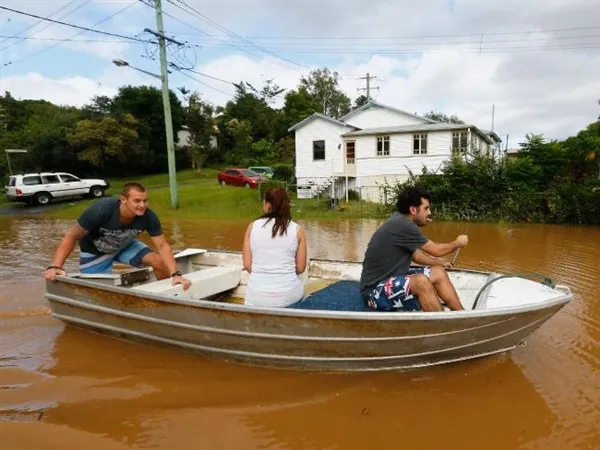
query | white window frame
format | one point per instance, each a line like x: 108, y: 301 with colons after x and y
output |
x: 383, y: 140
x: 422, y: 139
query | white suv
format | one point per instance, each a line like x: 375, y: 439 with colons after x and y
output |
x: 41, y: 188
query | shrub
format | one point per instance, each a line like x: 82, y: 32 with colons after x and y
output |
x: 283, y: 172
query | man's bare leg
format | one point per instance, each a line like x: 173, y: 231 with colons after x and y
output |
x: 161, y: 271
x: 422, y: 287
x: 445, y: 288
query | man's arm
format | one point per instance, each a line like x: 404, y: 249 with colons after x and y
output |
x: 166, y: 254
x: 445, y: 248
x: 165, y: 251
x: 65, y: 248
x: 423, y: 259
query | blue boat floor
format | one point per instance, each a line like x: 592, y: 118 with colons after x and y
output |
x: 342, y: 295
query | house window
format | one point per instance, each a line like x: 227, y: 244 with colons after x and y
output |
x: 419, y: 144
x: 318, y: 150
x: 459, y: 142
x: 350, y: 152
x: 383, y: 146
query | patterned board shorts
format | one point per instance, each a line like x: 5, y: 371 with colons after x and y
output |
x: 132, y: 255
x: 394, y: 293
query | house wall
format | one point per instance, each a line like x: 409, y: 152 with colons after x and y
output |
x: 378, y: 117
x: 370, y: 167
x: 319, y: 129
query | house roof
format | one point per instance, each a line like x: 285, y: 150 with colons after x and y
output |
x: 374, y: 104
x: 319, y: 116
x: 438, y: 126
x: 493, y: 134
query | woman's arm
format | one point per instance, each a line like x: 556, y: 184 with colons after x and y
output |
x: 246, y: 252
x: 301, y: 252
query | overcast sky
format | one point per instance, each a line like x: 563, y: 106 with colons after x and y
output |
x: 537, y: 61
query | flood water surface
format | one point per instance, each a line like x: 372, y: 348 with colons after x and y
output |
x: 65, y: 388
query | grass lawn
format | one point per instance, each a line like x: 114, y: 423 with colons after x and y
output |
x: 201, y: 197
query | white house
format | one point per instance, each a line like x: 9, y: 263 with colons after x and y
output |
x: 183, y: 136
x: 377, y: 142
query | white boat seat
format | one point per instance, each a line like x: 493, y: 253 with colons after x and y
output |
x: 205, y: 282
x: 482, y: 304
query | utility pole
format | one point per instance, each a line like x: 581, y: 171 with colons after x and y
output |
x: 368, y: 77
x: 160, y: 34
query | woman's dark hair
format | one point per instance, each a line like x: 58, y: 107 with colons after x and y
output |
x: 280, y: 210
x: 411, y: 196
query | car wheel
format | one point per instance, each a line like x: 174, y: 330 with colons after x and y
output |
x: 96, y: 192
x: 42, y: 198
x: 247, y: 185
x: 223, y: 183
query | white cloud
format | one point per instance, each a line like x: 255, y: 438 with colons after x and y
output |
x: 75, y: 91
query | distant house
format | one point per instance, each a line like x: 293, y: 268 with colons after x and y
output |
x: 183, y: 136
x: 375, y: 143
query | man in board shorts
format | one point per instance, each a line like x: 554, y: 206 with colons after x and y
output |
x: 107, y: 232
x: 388, y: 282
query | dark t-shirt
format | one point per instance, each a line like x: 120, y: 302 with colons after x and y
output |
x: 105, y: 232
x: 390, y: 251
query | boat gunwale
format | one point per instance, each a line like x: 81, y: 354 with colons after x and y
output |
x: 560, y: 299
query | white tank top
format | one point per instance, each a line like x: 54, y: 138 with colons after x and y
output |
x: 273, y: 259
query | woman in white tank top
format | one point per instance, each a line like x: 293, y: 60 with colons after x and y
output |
x: 274, y: 254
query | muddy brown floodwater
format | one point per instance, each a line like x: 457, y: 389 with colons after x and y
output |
x: 62, y: 388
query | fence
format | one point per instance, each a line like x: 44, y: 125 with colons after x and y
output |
x: 367, y: 200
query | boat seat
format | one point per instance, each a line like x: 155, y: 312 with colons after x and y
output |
x: 205, y: 283
x: 482, y: 303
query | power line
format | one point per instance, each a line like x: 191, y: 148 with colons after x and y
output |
x: 75, y: 35
x: 201, y: 82
x: 75, y: 26
x: 204, y: 18
x: 40, y: 21
x: 202, y: 32
x: 81, y: 5
x: 209, y: 76
x: 343, y: 45
x: 63, y: 39
x: 415, y: 51
x: 419, y: 36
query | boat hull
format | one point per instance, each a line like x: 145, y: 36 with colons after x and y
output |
x: 297, y: 339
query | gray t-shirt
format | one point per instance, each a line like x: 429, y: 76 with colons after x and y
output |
x: 390, y: 251
x: 105, y: 232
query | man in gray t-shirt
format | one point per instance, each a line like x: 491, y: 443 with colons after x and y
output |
x: 107, y: 232
x: 388, y: 283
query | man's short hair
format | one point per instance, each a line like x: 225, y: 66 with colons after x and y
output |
x: 132, y: 187
x: 411, y: 196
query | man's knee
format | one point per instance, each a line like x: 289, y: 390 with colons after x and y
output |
x: 154, y: 260
x: 420, y: 283
x: 438, y: 273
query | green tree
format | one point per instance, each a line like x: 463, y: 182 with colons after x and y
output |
x: 298, y: 105
x: 240, y: 132
x: 146, y: 105
x: 583, y: 153
x: 106, y: 142
x: 441, y: 117
x: 285, y: 150
x: 200, y: 125
x: 262, y: 151
x: 322, y: 86
x: 361, y: 100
